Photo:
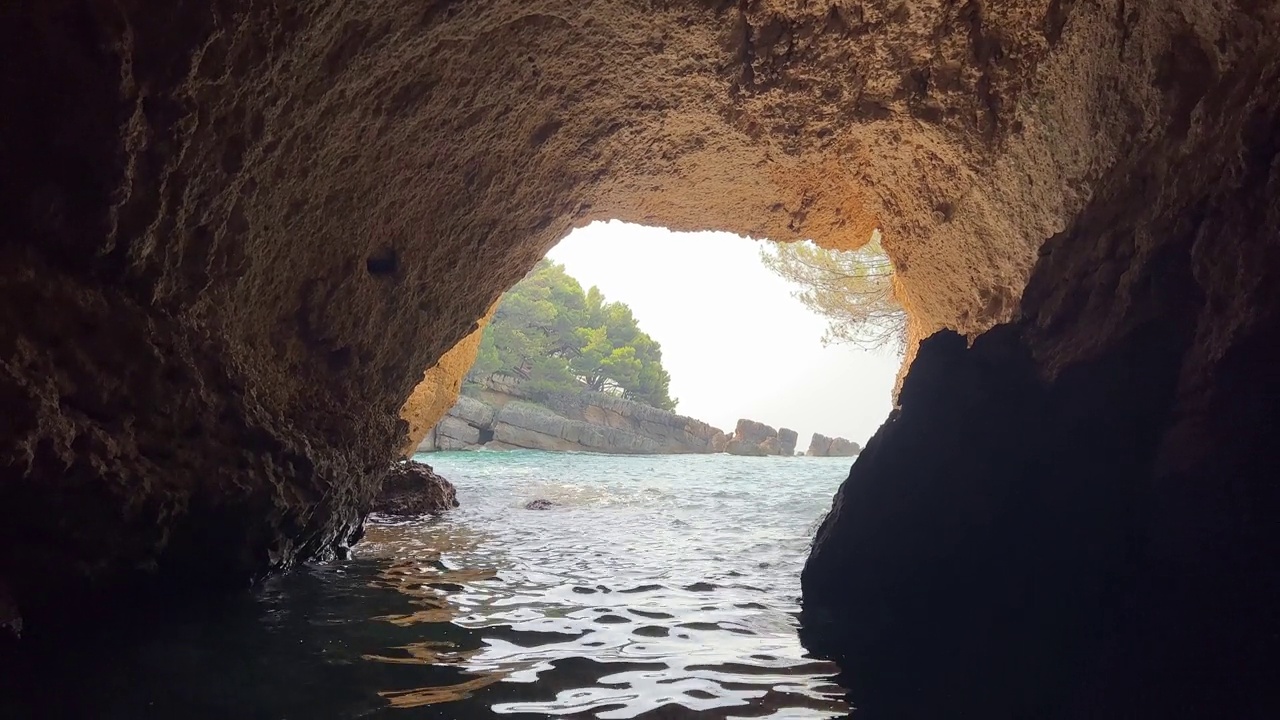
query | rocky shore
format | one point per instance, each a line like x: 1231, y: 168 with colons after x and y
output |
x: 502, y: 416
x: 757, y: 439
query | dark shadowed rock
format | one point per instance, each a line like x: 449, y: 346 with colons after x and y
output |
x: 539, y: 504
x: 10, y: 618
x: 412, y: 488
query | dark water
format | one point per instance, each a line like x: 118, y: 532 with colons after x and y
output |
x: 655, y: 587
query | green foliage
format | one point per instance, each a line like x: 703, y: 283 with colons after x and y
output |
x: 852, y: 290
x: 559, y: 339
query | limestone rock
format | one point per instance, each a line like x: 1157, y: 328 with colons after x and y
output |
x: 739, y: 447
x: 455, y: 429
x: 753, y: 438
x: 718, y: 442
x: 504, y: 417
x: 473, y: 411
x: 787, y: 441
x: 819, y: 446
x: 823, y: 446
x: 413, y: 488
x: 841, y: 447
x: 752, y: 432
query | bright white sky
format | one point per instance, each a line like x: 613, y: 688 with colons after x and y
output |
x: 735, y: 340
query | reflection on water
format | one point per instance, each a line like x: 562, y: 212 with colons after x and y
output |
x: 655, y: 587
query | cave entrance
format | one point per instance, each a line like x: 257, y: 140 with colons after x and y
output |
x: 705, y: 325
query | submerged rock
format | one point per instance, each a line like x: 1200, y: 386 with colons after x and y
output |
x: 539, y: 504
x: 413, y: 488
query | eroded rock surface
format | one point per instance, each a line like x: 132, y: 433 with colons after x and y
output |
x: 822, y: 446
x: 236, y: 235
x: 412, y: 489
x: 787, y: 441
x: 505, y: 417
x: 753, y: 438
x: 1075, y: 517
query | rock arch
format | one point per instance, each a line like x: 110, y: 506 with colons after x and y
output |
x: 236, y: 233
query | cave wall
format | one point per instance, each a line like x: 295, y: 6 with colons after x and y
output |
x: 438, y: 391
x: 237, y: 233
x: 1075, y: 517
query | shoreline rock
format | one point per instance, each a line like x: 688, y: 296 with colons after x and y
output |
x: 413, y: 488
x: 822, y: 446
x: 502, y: 416
x: 787, y: 439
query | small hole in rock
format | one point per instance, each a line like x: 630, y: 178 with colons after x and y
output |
x: 383, y: 262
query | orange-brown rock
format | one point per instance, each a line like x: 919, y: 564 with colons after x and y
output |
x: 236, y: 235
x: 753, y: 438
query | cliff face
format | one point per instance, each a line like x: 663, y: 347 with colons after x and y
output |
x: 503, y: 418
x: 235, y: 236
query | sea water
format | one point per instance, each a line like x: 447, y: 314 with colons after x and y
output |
x: 649, y: 587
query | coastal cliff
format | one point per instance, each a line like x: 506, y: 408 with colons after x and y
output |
x: 502, y: 416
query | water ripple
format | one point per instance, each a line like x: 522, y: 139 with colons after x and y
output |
x: 652, y: 586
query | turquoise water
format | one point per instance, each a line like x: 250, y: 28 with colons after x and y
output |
x: 654, y: 587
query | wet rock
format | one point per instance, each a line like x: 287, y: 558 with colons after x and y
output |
x: 412, y: 488
x: 539, y: 504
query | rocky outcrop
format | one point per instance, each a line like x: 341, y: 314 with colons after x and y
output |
x: 10, y: 618
x: 823, y: 446
x: 412, y: 489
x: 753, y: 438
x: 787, y: 441
x: 757, y: 439
x: 588, y: 422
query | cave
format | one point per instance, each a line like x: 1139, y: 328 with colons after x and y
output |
x: 237, y: 234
